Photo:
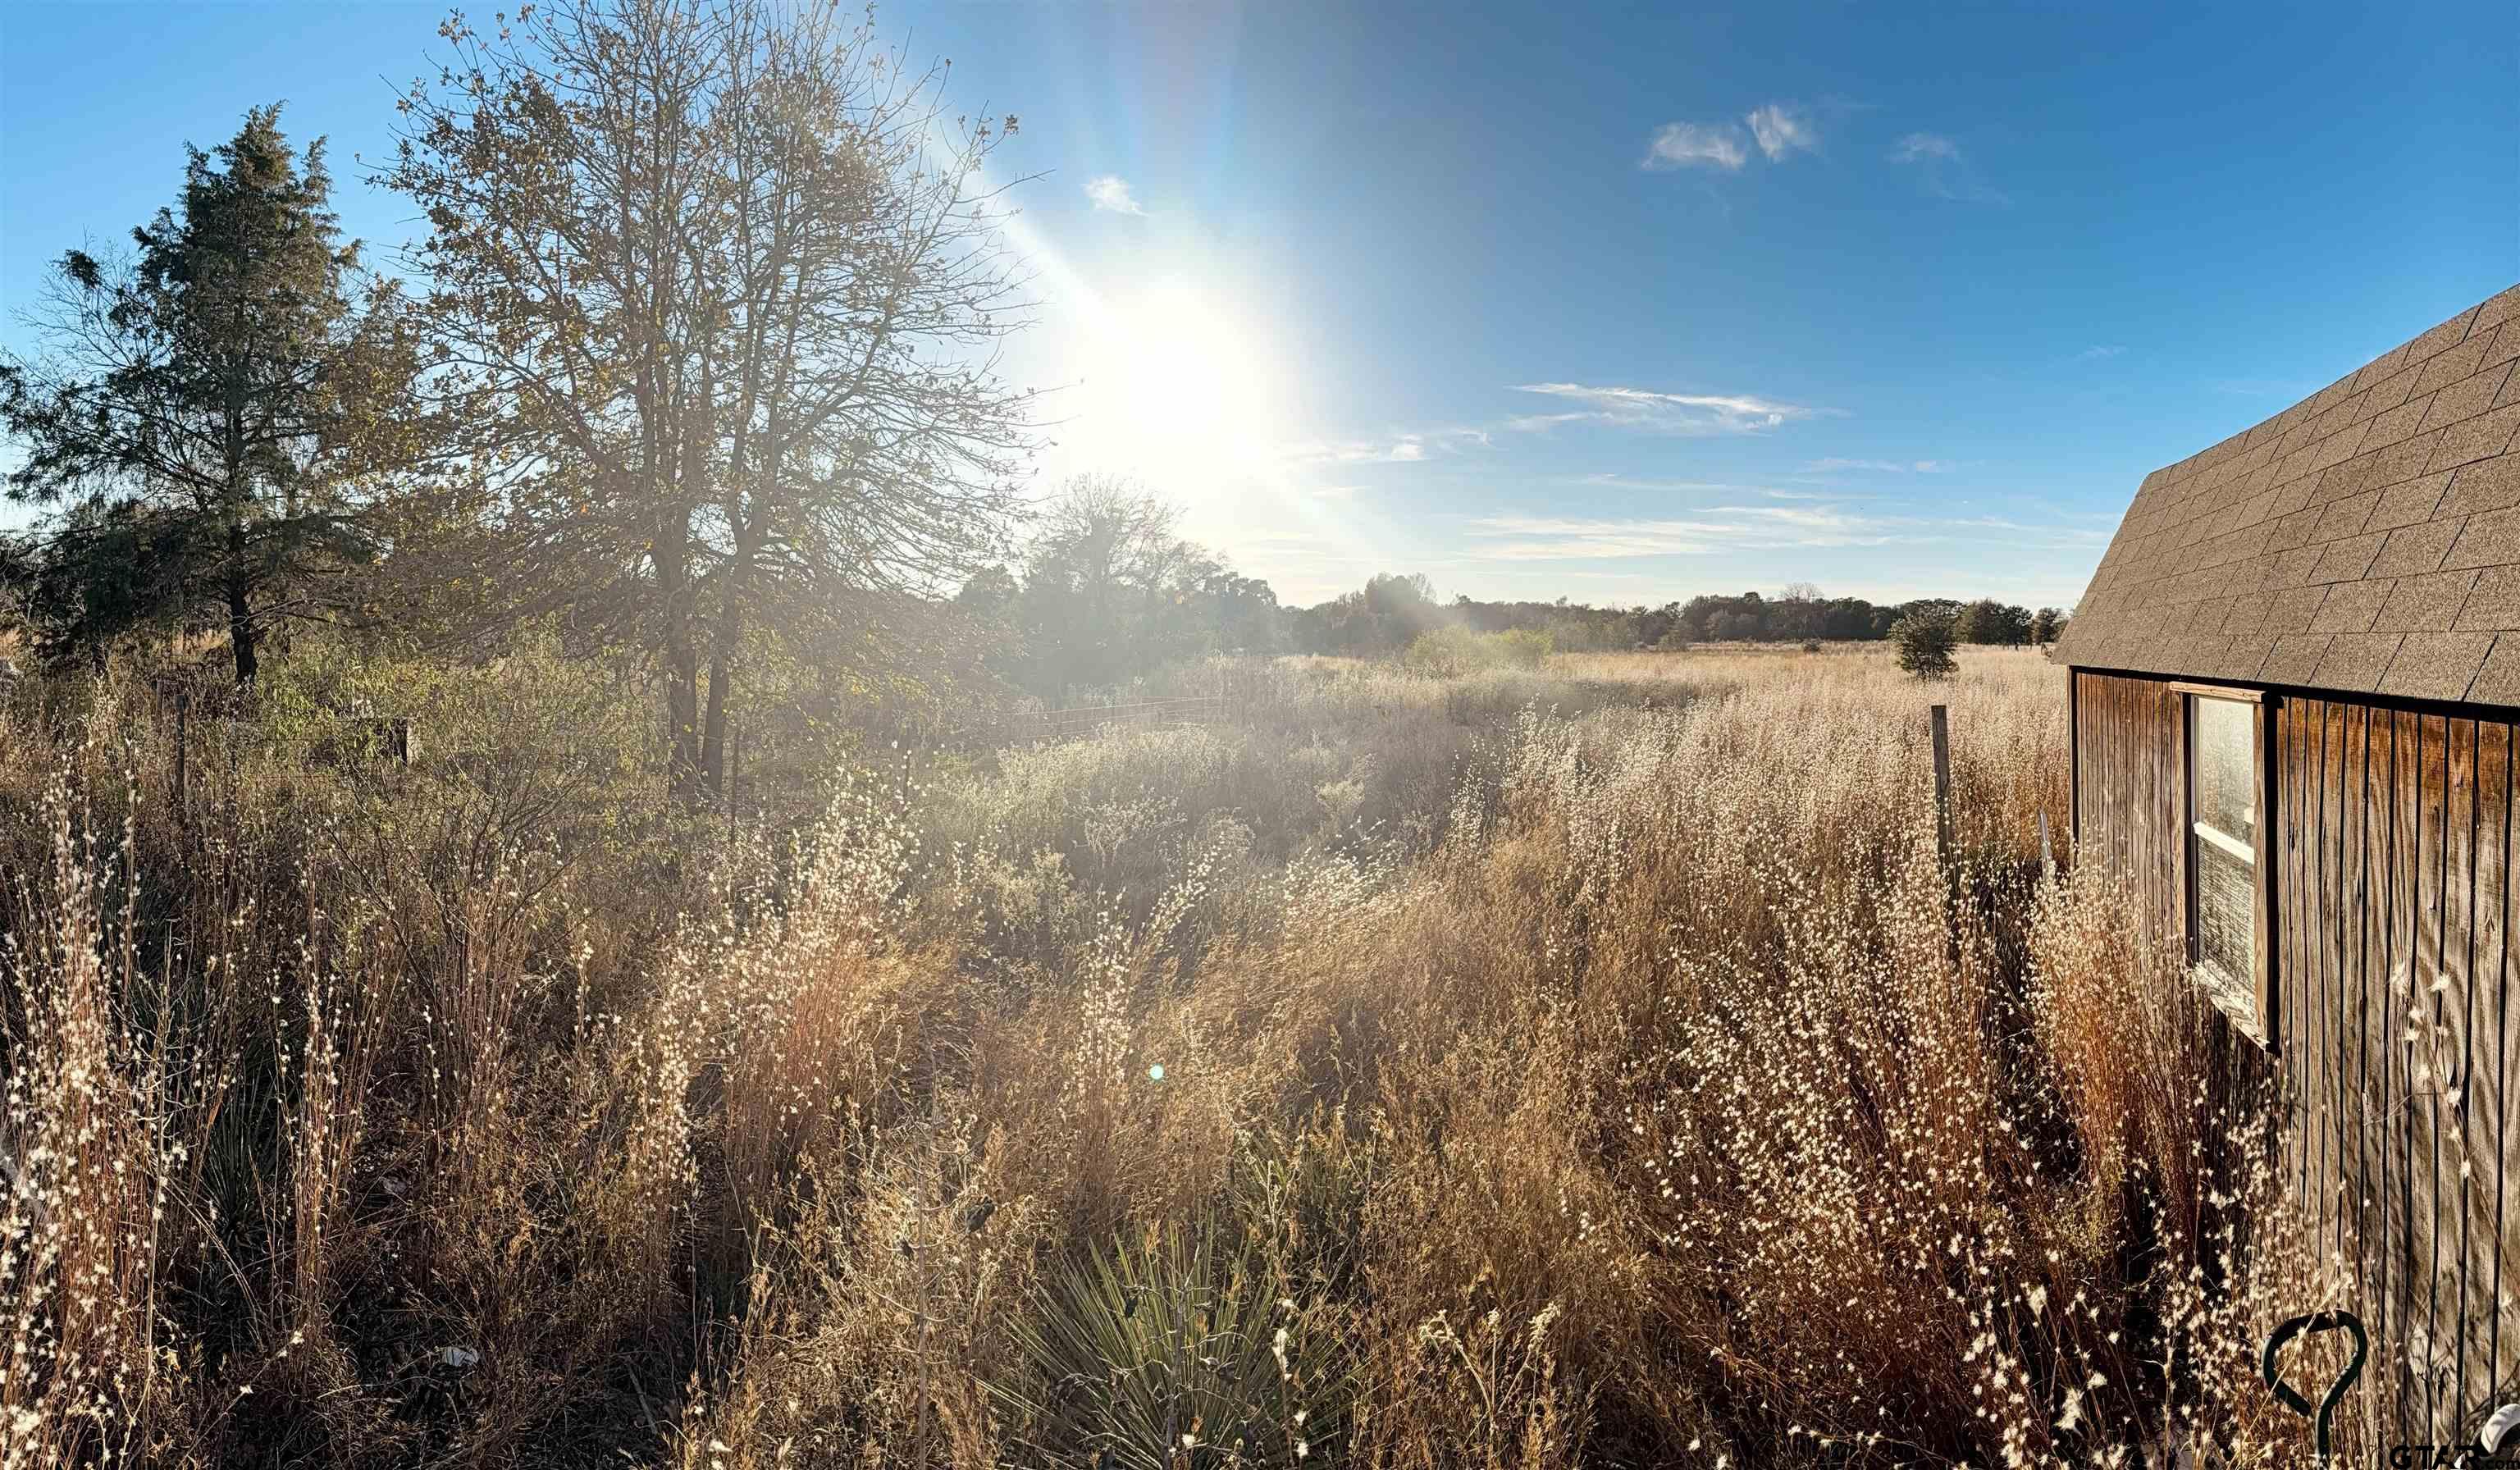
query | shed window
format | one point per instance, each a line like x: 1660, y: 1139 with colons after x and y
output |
x: 2224, y: 913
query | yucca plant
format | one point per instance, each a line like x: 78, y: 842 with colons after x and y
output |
x: 1176, y: 1352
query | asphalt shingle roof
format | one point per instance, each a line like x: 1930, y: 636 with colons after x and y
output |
x: 2364, y: 540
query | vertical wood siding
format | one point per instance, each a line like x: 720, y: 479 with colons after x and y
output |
x: 2128, y: 792
x: 2394, y: 848
x: 2392, y: 870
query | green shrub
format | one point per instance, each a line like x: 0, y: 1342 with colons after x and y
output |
x: 1925, y: 641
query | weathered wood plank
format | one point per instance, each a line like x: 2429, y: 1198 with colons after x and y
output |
x: 2483, y: 1174
x: 2270, y: 882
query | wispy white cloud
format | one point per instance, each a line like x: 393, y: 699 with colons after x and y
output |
x: 1400, y: 447
x: 1945, y: 170
x: 1539, y: 424
x: 2050, y: 535
x: 1782, y: 127
x: 1612, y: 479
x: 1883, y: 466
x: 1695, y: 145
x: 2096, y: 354
x: 1615, y: 481
x: 1397, y: 450
x: 1737, y: 527
x: 1687, y: 414
x: 1681, y: 415
x: 1111, y: 192
x: 1717, y: 528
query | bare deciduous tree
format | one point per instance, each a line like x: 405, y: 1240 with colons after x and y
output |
x: 869, y: 447
x: 721, y: 287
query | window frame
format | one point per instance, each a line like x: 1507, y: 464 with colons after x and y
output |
x: 2247, y: 1000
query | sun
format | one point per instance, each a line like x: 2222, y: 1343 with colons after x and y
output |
x: 1176, y: 388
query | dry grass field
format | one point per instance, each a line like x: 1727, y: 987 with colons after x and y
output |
x: 1591, y: 1065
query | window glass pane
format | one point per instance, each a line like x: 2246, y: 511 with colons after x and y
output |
x: 2226, y: 910
x: 2226, y: 784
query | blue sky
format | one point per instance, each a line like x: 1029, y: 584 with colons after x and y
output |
x: 1620, y: 304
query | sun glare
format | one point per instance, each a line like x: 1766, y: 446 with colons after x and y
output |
x: 1177, y: 389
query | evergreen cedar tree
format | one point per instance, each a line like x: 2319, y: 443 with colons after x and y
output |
x: 211, y: 412
x: 1924, y: 640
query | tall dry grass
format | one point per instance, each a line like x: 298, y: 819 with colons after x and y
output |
x: 1589, y: 1065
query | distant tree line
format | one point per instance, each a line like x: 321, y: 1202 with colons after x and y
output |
x: 1391, y: 611
x: 1801, y: 613
x: 1106, y: 590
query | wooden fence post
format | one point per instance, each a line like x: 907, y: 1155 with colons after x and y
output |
x: 1943, y: 783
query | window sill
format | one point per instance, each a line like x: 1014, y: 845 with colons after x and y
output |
x: 2237, y: 999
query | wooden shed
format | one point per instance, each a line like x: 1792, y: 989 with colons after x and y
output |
x: 2294, y: 682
